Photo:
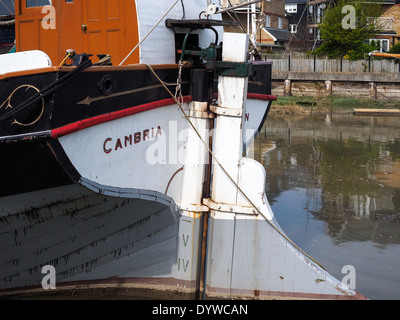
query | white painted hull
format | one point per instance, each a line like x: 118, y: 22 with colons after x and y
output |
x: 122, y: 153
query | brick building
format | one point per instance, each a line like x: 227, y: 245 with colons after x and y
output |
x: 389, y: 21
x: 274, y: 33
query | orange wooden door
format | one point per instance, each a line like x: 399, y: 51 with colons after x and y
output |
x: 30, y: 31
x: 70, y: 28
x: 103, y: 28
x: 91, y: 26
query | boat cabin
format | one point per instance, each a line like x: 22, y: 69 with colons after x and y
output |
x: 91, y: 26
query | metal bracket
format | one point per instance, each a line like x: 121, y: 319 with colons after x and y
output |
x: 226, y: 111
x: 201, y: 114
x: 230, y: 69
x: 209, y: 53
x: 234, y: 208
x: 194, y: 207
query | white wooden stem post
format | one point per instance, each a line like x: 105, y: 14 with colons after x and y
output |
x: 232, y: 94
x: 228, y: 147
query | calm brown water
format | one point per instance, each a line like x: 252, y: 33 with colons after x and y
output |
x: 334, y: 187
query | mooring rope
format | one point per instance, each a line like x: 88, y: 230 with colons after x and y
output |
x: 179, y: 104
x: 49, y: 89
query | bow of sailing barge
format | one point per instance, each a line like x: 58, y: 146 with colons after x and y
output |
x: 124, y: 168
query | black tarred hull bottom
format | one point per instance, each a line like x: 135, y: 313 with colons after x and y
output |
x: 29, y: 166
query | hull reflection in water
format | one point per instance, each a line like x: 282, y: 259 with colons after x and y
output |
x: 335, y: 190
x: 85, y: 233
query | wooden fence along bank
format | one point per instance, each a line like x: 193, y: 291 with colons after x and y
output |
x: 373, y: 79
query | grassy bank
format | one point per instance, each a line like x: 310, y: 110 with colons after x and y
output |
x: 323, y: 105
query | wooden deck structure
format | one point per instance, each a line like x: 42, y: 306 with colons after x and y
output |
x: 376, y: 112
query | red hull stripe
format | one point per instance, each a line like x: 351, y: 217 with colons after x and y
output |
x: 90, y: 122
x: 259, y: 96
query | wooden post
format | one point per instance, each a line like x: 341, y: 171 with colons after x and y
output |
x: 232, y: 93
x: 328, y: 87
x: 373, y: 92
x: 287, y: 88
x: 315, y: 63
x: 228, y: 147
x: 341, y: 62
x: 369, y: 63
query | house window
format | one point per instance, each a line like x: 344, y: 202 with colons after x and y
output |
x: 37, y: 3
x: 267, y: 20
x: 291, y: 8
x: 279, y: 22
x: 293, y: 28
x: 320, y: 12
x: 383, y: 44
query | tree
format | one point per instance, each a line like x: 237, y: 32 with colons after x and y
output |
x: 346, y: 27
x: 395, y: 49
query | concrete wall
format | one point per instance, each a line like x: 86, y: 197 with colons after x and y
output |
x: 358, y: 85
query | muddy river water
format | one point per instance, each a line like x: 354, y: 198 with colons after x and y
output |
x: 334, y: 187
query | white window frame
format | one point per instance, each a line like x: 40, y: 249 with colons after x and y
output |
x: 268, y: 20
x: 36, y: 6
x: 381, y: 41
x: 292, y: 8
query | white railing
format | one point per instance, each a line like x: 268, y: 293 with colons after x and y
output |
x: 383, y: 23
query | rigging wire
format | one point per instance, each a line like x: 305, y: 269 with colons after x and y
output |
x: 236, y: 18
x: 183, y: 10
x: 6, y: 7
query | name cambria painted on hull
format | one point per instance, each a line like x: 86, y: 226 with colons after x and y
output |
x: 112, y: 144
